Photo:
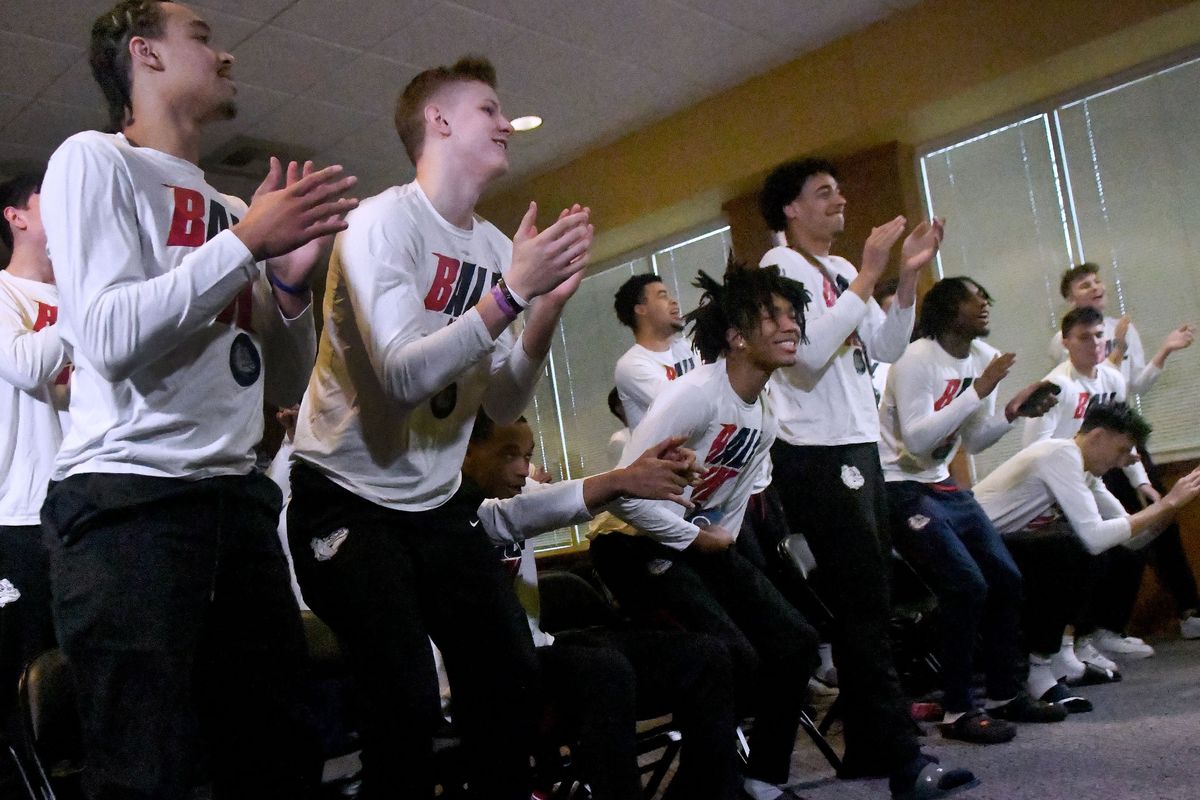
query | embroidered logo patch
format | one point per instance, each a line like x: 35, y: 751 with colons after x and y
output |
x: 8, y: 592
x: 325, y: 549
x: 852, y: 477
x: 659, y: 565
x: 918, y: 521
x: 244, y: 361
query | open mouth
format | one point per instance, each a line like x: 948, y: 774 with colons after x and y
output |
x: 503, y: 144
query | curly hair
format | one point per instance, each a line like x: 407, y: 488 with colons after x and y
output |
x: 939, y: 307
x: 784, y: 185
x: 738, y: 303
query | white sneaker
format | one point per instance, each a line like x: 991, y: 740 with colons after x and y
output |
x: 1129, y: 646
x: 1189, y: 627
x: 1086, y: 652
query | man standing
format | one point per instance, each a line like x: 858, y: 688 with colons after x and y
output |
x: 171, y: 595
x: 827, y: 460
x: 34, y: 376
x: 940, y: 395
x: 659, y: 354
x: 418, y: 336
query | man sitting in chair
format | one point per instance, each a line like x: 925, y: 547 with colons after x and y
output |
x: 589, y: 676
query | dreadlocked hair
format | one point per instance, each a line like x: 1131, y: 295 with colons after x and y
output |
x: 739, y: 303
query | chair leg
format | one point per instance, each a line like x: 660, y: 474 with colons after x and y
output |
x: 22, y: 774
x: 671, y: 744
x: 832, y: 715
x: 810, y: 727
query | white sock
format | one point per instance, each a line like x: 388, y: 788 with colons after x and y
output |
x: 761, y: 790
x: 825, y: 651
x: 989, y: 704
x: 951, y: 717
x: 1041, y: 676
x: 1065, y: 663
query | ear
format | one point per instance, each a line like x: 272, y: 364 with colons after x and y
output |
x: 12, y: 215
x: 734, y: 339
x: 790, y: 211
x: 141, y: 51
x: 436, y: 119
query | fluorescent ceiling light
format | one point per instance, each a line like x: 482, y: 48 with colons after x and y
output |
x: 526, y: 123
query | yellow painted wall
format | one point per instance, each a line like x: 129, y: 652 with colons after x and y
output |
x: 919, y: 75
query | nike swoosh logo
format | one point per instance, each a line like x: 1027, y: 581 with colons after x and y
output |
x: 474, y: 523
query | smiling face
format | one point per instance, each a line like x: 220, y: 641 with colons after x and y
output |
x: 500, y: 463
x: 1088, y: 291
x: 819, y: 210
x: 974, y: 313
x: 1085, y: 346
x: 774, y: 343
x: 477, y: 129
x: 187, y: 68
x: 658, y: 311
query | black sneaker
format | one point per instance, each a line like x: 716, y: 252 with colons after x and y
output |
x: 1024, y: 708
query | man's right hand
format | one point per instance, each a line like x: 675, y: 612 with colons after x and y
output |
x: 544, y: 260
x: 878, y: 248
x: 661, y: 473
x: 713, y: 539
x: 283, y: 218
x: 1184, y: 491
x: 993, y: 373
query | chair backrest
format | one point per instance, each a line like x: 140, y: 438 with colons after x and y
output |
x: 568, y: 602
x: 795, y: 547
x: 50, y: 724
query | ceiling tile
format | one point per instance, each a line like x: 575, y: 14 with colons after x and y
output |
x: 258, y: 10
x: 585, y: 24
x: 354, y: 23
x: 371, y: 84
x: 375, y: 141
x: 32, y: 64
x: 445, y: 32
x: 48, y: 124
x: 228, y: 30
x: 15, y: 158
x: 310, y: 124
x: 76, y: 86
x: 254, y: 104
x: 287, y: 61
x: 10, y: 106
x: 799, y: 26
x: 67, y: 21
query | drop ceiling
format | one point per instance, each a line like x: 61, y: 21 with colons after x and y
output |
x: 322, y: 75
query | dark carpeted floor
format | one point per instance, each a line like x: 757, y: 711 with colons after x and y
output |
x: 1142, y: 742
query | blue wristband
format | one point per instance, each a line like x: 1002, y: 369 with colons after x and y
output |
x: 294, y: 291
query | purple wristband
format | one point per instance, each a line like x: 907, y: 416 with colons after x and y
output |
x: 294, y: 291
x: 502, y: 302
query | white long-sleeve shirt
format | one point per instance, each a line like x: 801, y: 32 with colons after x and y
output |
x: 175, y: 334
x: 405, y: 361
x: 826, y: 398
x: 1079, y: 392
x: 33, y: 395
x: 1051, y: 471
x: 732, y: 440
x: 642, y: 373
x: 1139, y: 376
x: 541, y: 507
x: 930, y: 407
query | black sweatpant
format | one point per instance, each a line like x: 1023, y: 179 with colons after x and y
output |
x: 835, y: 496
x: 386, y: 581
x: 599, y: 682
x: 1059, y: 576
x: 774, y: 651
x: 174, y: 608
x: 1118, y: 589
x: 26, y: 626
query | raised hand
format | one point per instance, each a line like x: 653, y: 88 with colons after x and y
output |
x: 1032, y: 401
x: 1180, y: 338
x: 661, y: 473
x: 993, y: 373
x: 922, y: 244
x: 878, y: 248
x: 544, y: 261
x: 1184, y: 491
x: 304, y: 208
